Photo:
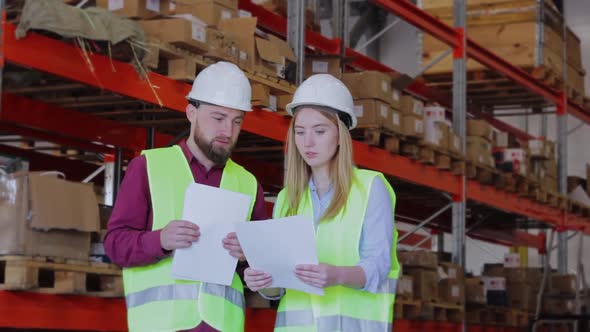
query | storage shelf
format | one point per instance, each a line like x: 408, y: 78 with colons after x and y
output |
x: 63, y: 60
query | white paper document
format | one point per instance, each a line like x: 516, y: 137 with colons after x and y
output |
x: 276, y: 246
x: 216, y: 212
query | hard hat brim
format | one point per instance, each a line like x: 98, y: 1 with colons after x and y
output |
x: 216, y: 103
x: 291, y: 106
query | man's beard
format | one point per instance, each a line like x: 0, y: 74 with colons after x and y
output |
x: 218, y: 155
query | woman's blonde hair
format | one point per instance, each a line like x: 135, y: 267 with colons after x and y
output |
x: 299, y: 173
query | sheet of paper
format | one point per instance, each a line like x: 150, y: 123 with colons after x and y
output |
x: 276, y: 246
x: 206, y: 260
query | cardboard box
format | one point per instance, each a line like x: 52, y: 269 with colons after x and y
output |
x: 451, y: 291
x: 419, y: 258
x: 563, y: 284
x: 475, y: 291
x: 187, y: 31
x: 437, y: 133
x: 500, y: 139
x: 269, y: 56
x: 551, y: 168
x: 478, y: 149
x: 494, y: 283
x: 479, y: 128
x: 558, y: 306
x: 367, y: 112
x: 412, y: 126
x: 425, y: 283
x: 540, y: 148
x: 322, y: 64
x: 394, y: 121
x: 411, y: 106
x: 273, y: 56
x: 522, y: 297
x: 369, y: 84
x: 209, y: 11
x: 493, y: 270
x: 221, y: 46
x: 396, y: 96
x: 512, y: 260
x: 34, y: 220
x: 283, y: 100
x: 452, y: 271
x: 134, y: 8
x: 434, y: 113
x: 261, y: 95
x: 524, y: 275
x: 405, y: 288
x: 454, y: 143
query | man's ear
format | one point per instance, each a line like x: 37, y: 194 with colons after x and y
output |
x: 190, y: 111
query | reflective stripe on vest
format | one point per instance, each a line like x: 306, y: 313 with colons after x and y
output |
x: 183, y: 292
x: 301, y: 318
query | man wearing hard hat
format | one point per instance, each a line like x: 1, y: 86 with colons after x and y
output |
x: 144, y: 228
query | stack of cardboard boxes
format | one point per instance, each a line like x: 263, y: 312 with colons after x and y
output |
x: 373, y: 99
x: 412, y: 112
x: 427, y: 280
x: 543, y: 163
x: 479, y: 142
x: 422, y: 267
x: 438, y: 130
x: 561, y: 296
x: 522, y: 284
x: 212, y: 28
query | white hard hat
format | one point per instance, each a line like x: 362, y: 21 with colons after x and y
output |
x: 222, y: 84
x: 324, y: 90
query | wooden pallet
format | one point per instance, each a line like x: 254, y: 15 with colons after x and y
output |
x: 485, y: 174
x: 182, y: 64
x: 422, y: 310
x: 501, y: 316
x: 60, y: 276
x: 557, y: 200
x: 379, y: 137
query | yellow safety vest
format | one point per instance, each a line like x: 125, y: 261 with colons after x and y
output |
x: 341, y: 308
x: 157, y: 302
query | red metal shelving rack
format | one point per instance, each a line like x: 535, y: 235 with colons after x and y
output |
x: 20, y: 115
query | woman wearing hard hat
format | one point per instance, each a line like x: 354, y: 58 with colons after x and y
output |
x: 353, y: 212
